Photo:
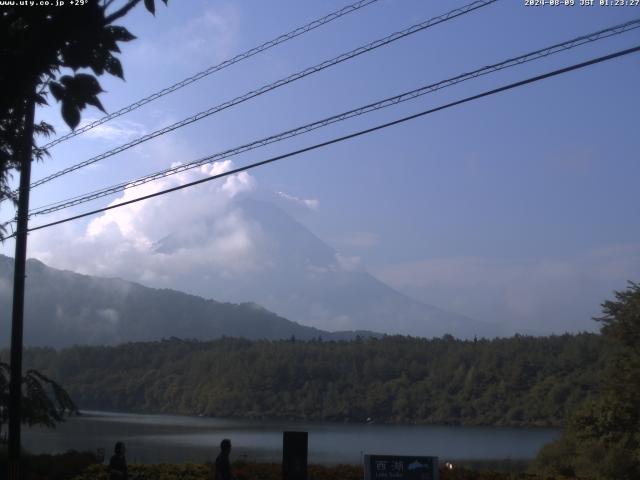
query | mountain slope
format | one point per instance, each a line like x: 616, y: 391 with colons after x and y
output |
x: 307, y: 281
x: 64, y: 308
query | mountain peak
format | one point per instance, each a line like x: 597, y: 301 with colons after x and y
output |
x: 303, y: 279
x: 256, y: 256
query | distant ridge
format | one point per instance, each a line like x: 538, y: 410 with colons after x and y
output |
x: 309, y: 282
x: 64, y: 308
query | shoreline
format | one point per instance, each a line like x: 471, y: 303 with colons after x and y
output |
x: 177, y: 439
x: 293, y: 420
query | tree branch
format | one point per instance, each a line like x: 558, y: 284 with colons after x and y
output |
x: 121, y: 12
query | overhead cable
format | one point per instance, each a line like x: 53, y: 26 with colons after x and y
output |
x: 347, y: 137
x: 215, y: 68
x: 266, y: 88
x: 528, y: 57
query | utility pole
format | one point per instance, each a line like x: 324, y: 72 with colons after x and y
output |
x: 15, y: 383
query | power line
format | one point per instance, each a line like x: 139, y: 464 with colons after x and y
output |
x: 216, y: 68
x: 350, y: 136
x: 266, y: 88
x: 537, y: 54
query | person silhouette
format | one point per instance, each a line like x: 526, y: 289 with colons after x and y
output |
x: 223, y: 467
x: 118, y: 463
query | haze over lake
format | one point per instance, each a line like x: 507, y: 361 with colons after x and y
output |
x: 168, y: 438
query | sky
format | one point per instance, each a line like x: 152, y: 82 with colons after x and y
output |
x: 519, y: 208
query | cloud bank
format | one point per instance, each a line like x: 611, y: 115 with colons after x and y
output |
x: 195, y: 229
x: 310, y: 203
x: 537, y: 296
x: 203, y: 236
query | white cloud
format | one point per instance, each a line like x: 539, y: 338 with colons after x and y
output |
x: 210, y: 36
x: 109, y: 315
x: 197, y: 229
x: 543, y: 296
x: 348, y: 264
x: 6, y: 287
x: 115, y: 130
x: 310, y: 203
x: 340, y: 263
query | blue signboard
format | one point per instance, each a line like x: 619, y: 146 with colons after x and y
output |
x: 396, y: 467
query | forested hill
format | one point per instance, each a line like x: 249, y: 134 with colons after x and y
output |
x: 64, y: 308
x: 514, y: 381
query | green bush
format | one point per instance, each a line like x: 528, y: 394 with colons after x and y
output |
x: 272, y: 471
x: 63, y: 466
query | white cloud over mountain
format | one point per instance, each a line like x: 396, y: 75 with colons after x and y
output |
x: 213, y: 240
x: 122, y: 241
x: 205, y: 240
x: 310, y: 203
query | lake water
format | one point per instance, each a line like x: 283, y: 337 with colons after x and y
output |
x: 179, y: 439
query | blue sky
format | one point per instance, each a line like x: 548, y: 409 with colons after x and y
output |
x: 520, y: 208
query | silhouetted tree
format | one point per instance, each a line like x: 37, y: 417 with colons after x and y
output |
x: 44, y: 402
x: 36, y: 44
x: 602, y: 439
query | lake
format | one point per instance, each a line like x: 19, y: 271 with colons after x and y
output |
x: 180, y: 439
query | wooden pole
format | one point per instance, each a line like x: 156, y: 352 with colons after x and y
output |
x: 17, y: 318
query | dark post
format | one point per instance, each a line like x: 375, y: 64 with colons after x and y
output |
x: 294, y: 455
x: 15, y: 383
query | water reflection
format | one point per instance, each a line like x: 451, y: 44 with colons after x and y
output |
x: 172, y: 438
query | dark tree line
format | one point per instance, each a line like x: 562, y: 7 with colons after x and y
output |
x: 515, y: 381
x: 601, y: 439
x: 44, y: 402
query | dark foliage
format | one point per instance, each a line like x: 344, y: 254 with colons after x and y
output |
x: 44, y: 402
x: 36, y: 44
x: 602, y: 439
x: 64, y: 466
x: 515, y: 381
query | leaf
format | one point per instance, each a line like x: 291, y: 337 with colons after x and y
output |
x: 96, y: 103
x: 57, y: 90
x: 44, y: 128
x: 66, y: 80
x: 99, y: 58
x: 40, y: 153
x: 109, y: 43
x: 76, y: 55
x: 40, y: 100
x: 120, y: 34
x: 84, y: 85
x: 151, y: 6
x: 81, y: 89
x: 114, y: 67
x: 70, y: 113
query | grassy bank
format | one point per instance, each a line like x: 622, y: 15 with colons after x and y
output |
x: 272, y: 471
x: 87, y: 466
